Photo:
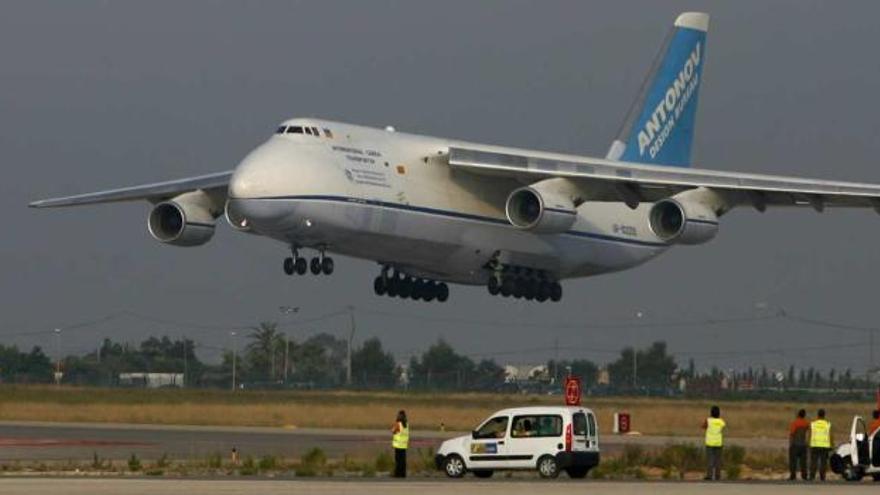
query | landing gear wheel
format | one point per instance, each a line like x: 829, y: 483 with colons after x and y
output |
x: 547, y: 467
x: 380, y: 286
x: 453, y: 466
x: 288, y: 266
x: 850, y: 472
x: 301, y: 266
x: 315, y: 265
x: 543, y: 292
x: 327, y: 265
x: 418, y: 289
x: 430, y: 291
x: 531, y: 289
x: 392, y: 285
x: 442, y: 292
x: 507, y: 285
x: 494, y: 286
x: 404, y: 290
x: 555, y: 292
x: 519, y: 288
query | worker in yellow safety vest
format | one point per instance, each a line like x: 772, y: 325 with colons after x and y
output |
x: 714, y: 427
x: 820, y: 445
x: 400, y: 442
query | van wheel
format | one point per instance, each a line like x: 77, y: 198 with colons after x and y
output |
x: 876, y: 476
x: 577, y: 472
x: 483, y: 473
x: 850, y: 472
x: 547, y: 467
x: 454, y: 466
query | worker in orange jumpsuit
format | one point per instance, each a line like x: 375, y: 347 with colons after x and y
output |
x: 875, y: 424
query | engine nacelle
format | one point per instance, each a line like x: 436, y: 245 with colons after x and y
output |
x: 187, y: 220
x: 679, y: 221
x: 541, y: 211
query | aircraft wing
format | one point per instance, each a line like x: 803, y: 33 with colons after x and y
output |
x: 155, y: 192
x: 631, y: 183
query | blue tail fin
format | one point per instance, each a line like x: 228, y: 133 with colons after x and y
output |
x: 659, y: 128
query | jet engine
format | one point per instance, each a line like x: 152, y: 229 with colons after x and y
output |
x: 541, y: 211
x: 682, y: 221
x: 187, y: 220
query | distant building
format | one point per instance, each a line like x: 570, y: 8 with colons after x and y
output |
x: 151, y: 380
x: 525, y: 373
x: 603, y: 377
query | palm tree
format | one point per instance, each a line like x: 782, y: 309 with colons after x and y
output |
x: 266, y: 349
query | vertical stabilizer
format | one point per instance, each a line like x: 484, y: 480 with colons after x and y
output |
x: 659, y: 128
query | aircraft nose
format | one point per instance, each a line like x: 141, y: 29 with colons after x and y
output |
x: 253, y: 177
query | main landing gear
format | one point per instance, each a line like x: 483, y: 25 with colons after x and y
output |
x: 528, y: 284
x: 406, y: 287
x: 297, y: 264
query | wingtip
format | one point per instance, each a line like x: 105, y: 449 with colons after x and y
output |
x: 693, y: 20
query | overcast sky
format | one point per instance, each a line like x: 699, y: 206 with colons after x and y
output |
x: 95, y: 95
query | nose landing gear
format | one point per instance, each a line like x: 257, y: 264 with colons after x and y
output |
x: 298, y: 265
x: 406, y: 287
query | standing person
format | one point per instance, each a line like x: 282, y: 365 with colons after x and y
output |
x: 400, y: 442
x: 820, y: 445
x: 875, y: 424
x: 797, y: 445
x: 714, y: 427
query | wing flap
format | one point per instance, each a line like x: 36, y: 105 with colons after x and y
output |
x: 153, y: 192
x: 604, y: 177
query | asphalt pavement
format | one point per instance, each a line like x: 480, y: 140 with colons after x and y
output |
x: 114, y: 486
x: 25, y: 441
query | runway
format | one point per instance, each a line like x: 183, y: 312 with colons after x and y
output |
x: 114, y: 486
x: 27, y: 441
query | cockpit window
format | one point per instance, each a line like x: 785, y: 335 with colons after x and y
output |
x: 281, y: 130
x: 315, y: 132
x: 295, y: 129
x: 309, y: 131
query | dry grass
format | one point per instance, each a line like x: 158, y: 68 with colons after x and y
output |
x: 377, y: 410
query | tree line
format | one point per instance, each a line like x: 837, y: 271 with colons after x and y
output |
x: 269, y: 359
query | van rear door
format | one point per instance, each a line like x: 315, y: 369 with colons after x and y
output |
x: 585, y: 431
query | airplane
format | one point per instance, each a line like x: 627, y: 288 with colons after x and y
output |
x: 433, y: 211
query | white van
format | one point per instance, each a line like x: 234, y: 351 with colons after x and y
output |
x: 859, y: 456
x: 549, y: 439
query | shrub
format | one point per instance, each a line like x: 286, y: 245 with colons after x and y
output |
x: 679, y: 459
x: 384, y: 462
x: 314, y: 458
x: 163, y: 462
x: 215, y: 461
x: 267, y: 463
x: 732, y: 458
x: 248, y: 467
x: 134, y: 464
x: 96, y: 461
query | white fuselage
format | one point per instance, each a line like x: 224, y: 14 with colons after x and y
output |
x: 391, y: 197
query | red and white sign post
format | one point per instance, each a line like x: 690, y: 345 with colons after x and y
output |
x: 572, y: 391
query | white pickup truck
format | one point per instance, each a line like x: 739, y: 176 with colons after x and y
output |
x: 548, y: 439
x: 860, y: 456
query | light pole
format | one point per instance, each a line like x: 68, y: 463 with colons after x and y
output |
x: 234, y: 356
x: 350, y: 339
x: 58, y: 356
x: 286, y: 353
x: 185, y: 360
x: 639, y: 315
